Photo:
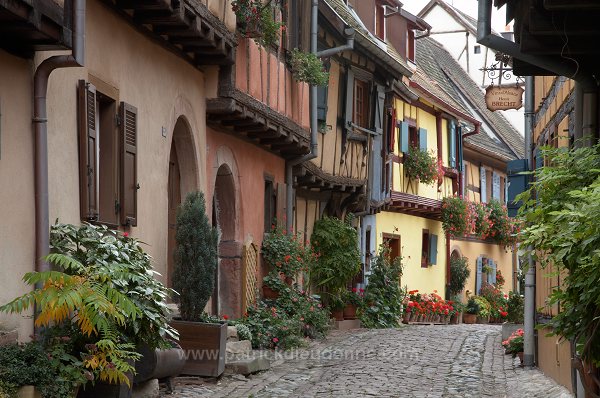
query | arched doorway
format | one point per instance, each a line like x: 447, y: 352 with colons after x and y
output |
x: 182, y: 180
x: 227, y: 298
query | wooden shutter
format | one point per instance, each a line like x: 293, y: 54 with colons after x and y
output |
x: 478, y: 277
x: 492, y: 277
x: 88, y: 151
x: 433, y: 241
x: 380, y: 104
x: 349, y: 97
x: 423, y: 139
x: 483, y: 184
x: 495, y: 185
x: 392, y: 133
x: 322, y: 103
x: 128, y: 163
x: 452, y: 144
x: 280, y: 204
x: 404, y: 137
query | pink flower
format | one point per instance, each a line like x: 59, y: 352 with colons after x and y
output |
x: 275, y: 340
x: 125, y: 234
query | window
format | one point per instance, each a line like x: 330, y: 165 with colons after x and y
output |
x: 380, y: 22
x: 413, y: 137
x: 368, y: 251
x: 410, y: 45
x: 361, y: 103
x: 393, y: 242
x: 270, y: 204
x: 107, y: 158
x: 425, y: 249
x: 477, y: 50
x: 486, y: 272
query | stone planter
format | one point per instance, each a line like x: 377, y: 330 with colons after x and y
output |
x: 159, y: 363
x: 469, y: 318
x: 483, y: 320
x: 203, y: 345
x: 509, y: 328
x: 350, y: 311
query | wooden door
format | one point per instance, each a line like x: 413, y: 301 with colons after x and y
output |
x: 174, y: 202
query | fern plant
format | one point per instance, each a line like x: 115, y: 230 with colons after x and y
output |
x: 103, y: 294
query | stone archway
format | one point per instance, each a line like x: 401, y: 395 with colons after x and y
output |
x: 227, y: 297
x: 182, y: 180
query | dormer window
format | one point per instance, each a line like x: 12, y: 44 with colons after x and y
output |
x: 380, y: 21
x: 410, y: 45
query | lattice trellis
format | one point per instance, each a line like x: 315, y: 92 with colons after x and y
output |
x: 249, y: 266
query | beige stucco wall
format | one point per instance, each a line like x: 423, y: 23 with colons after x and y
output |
x: 16, y: 185
x: 161, y: 86
x: 554, y: 358
x: 473, y: 249
x: 410, y: 228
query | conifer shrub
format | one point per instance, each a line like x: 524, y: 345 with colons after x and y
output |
x: 196, y: 258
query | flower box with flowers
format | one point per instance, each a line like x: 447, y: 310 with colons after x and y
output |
x: 514, y: 344
x: 426, y: 308
x: 353, y: 299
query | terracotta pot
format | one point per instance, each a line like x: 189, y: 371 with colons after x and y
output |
x: 483, y: 320
x: 269, y: 293
x: 338, y: 315
x: 406, y: 317
x: 350, y: 311
x: 469, y: 318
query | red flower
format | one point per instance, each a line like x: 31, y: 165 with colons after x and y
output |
x: 353, y: 290
x: 287, y: 258
x: 275, y: 340
x: 225, y: 317
x: 125, y: 234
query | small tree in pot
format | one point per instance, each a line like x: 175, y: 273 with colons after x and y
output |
x: 194, y: 279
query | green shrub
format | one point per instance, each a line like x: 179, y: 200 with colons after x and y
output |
x: 516, y: 308
x: 459, y: 273
x: 308, y: 68
x: 243, y: 332
x: 485, y: 308
x: 383, y: 296
x: 195, y: 258
x: 472, y: 306
x: 335, y: 243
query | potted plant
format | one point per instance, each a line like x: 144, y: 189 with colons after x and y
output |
x: 421, y: 165
x: 483, y: 316
x: 353, y: 300
x: 471, y: 311
x: 514, y: 344
x: 336, y: 306
x: 103, y: 298
x: 194, y: 279
x: 308, y: 68
x: 455, y: 220
x: 255, y: 19
x: 515, y: 314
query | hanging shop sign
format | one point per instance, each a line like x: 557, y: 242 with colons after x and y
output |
x: 498, y: 98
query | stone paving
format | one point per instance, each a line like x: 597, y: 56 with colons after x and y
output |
x: 413, y: 361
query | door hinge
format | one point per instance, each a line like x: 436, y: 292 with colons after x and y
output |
x: 117, y: 207
x: 117, y: 119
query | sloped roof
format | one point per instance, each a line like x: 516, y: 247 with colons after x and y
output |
x: 461, y: 17
x: 367, y: 40
x: 457, y: 86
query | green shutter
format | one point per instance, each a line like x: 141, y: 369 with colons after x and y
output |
x: 423, y: 139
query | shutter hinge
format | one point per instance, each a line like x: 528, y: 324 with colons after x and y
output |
x: 117, y: 119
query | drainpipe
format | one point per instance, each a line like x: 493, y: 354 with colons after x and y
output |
x: 40, y: 122
x: 314, y: 149
x: 529, y: 316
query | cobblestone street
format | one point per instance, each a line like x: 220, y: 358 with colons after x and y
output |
x: 414, y: 361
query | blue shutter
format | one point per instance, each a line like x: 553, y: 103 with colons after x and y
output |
x: 483, y: 184
x: 452, y: 144
x: 423, y: 139
x: 492, y: 277
x: 478, y: 277
x: 496, y: 186
x: 517, y: 183
x: 433, y: 240
x: 403, y: 139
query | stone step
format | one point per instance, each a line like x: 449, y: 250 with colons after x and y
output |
x: 243, y: 347
x: 248, y: 365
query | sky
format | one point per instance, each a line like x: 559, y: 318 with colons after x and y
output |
x: 467, y: 6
